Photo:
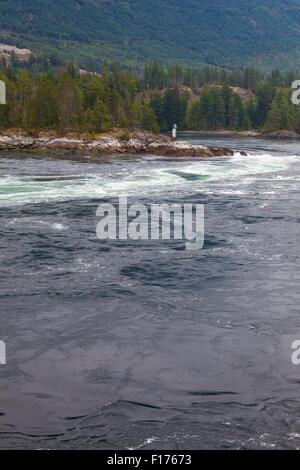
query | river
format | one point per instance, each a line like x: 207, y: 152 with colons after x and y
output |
x: 122, y: 344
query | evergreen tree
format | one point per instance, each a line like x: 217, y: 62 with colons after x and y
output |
x: 23, y: 100
x: 265, y: 96
x: 157, y: 105
x: 227, y: 95
x: 282, y: 112
x: 45, y: 103
x: 175, y: 107
x: 237, y: 120
x: 98, y: 118
x: 70, y: 104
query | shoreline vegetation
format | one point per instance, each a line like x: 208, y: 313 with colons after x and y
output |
x: 46, y: 93
x: 57, y: 107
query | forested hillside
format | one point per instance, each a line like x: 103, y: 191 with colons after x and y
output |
x: 228, y: 33
x: 64, y: 99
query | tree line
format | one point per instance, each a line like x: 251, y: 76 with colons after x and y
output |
x: 48, y: 94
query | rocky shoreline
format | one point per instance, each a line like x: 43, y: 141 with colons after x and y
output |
x: 280, y: 134
x: 135, y: 143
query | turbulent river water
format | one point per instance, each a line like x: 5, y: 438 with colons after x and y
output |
x: 142, y: 344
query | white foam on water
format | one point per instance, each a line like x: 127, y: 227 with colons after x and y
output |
x: 239, y: 165
x: 225, y: 175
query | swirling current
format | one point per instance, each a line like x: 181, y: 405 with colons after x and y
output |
x: 129, y: 344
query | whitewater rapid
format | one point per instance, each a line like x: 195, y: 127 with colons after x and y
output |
x: 50, y: 180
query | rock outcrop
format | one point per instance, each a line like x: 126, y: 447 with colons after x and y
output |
x: 139, y: 142
x: 281, y: 134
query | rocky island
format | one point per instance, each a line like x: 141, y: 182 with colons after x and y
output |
x: 133, y: 143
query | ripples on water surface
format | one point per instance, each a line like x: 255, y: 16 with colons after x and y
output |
x: 142, y: 344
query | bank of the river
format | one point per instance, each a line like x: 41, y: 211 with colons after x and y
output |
x: 280, y: 134
x: 123, y: 143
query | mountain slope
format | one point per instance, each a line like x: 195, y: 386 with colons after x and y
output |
x: 229, y: 33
